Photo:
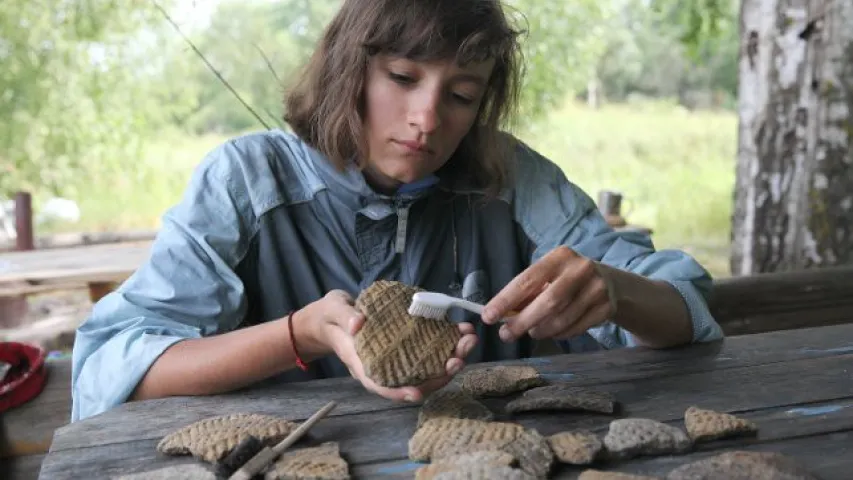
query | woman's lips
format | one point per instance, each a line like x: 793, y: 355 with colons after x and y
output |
x: 414, y: 146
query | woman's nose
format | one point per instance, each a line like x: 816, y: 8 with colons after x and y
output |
x: 425, y: 114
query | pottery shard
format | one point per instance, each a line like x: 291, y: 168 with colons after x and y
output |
x: 562, y: 397
x: 592, y: 474
x: 743, y: 465
x: 630, y: 437
x: 577, y: 448
x: 500, y: 380
x: 532, y: 452
x: 213, y: 438
x: 472, y: 471
x: 454, y: 404
x: 457, y: 462
x: 704, y: 425
x: 323, y: 462
x: 443, y: 437
x: 398, y: 349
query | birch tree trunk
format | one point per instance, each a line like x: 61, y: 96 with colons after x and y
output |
x: 794, y: 188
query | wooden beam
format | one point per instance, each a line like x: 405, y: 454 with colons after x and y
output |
x: 81, y: 239
x: 783, y: 300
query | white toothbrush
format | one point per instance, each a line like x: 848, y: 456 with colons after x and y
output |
x: 435, y: 305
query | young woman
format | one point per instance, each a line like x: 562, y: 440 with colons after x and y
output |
x: 396, y: 169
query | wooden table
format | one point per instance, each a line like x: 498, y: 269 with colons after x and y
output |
x: 97, y: 267
x: 797, y: 385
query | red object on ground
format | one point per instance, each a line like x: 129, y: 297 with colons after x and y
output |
x: 26, y: 377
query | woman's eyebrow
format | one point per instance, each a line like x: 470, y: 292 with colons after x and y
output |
x: 470, y: 77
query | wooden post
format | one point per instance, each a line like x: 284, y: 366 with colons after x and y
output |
x: 14, y: 309
x: 24, y: 221
x: 98, y: 290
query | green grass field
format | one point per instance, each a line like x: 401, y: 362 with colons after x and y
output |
x: 675, y: 168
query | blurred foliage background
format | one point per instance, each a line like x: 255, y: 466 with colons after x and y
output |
x: 106, y: 103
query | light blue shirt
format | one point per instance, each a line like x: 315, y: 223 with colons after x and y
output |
x: 268, y: 225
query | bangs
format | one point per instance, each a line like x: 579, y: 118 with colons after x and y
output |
x: 325, y: 106
x: 468, y: 31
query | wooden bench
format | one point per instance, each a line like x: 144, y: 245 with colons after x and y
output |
x: 783, y: 300
x: 96, y: 267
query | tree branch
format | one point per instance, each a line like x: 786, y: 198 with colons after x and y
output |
x: 268, y: 62
x: 209, y: 66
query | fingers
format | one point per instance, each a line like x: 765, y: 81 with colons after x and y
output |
x: 340, y: 308
x: 341, y: 295
x: 592, y: 318
x: 527, y: 284
x: 465, y: 345
x: 355, y: 323
x: 466, y: 328
x: 594, y: 293
x: 550, y: 305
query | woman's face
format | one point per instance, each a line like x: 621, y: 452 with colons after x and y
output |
x: 416, y: 115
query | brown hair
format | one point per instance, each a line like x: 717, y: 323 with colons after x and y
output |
x: 325, y: 106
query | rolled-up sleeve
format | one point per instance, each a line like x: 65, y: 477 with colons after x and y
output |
x: 553, y: 212
x: 187, y: 288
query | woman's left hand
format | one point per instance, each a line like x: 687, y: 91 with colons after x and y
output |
x: 560, y: 296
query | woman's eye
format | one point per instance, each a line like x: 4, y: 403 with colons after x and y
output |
x: 401, y: 78
x: 463, y: 99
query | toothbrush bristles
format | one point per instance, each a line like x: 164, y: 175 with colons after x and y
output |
x: 426, y: 311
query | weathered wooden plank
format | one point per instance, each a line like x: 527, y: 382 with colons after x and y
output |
x: 376, y: 443
x: 823, y: 455
x: 812, y: 317
x: 374, y: 436
x: 733, y: 352
x: 106, y: 263
x: 383, y: 435
x: 775, y: 426
x: 298, y: 401
x: 783, y: 300
x: 79, y: 239
x: 21, y: 468
x: 28, y: 429
x: 827, y: 456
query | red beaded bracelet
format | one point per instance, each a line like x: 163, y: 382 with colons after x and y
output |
x: 299, y: 362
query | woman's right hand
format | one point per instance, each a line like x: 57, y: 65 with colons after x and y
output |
x: 337, y: 321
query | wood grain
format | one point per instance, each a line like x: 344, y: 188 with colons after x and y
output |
x: 824, y: 457
x: 298, y: 401
x: 799, y: 393
x: 381, y: 439
x: 783, y: 300
x: 95, y: 263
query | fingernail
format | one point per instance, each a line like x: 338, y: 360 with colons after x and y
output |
x: 488, y: 315
x: 455, y: 368
x: 505, y: 334
x: 409, y: 397
x: 468, y: 344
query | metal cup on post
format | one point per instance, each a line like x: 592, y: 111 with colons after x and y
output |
x: 610, y: 206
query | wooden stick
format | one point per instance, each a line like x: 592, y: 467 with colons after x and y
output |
x: 266, y: 456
